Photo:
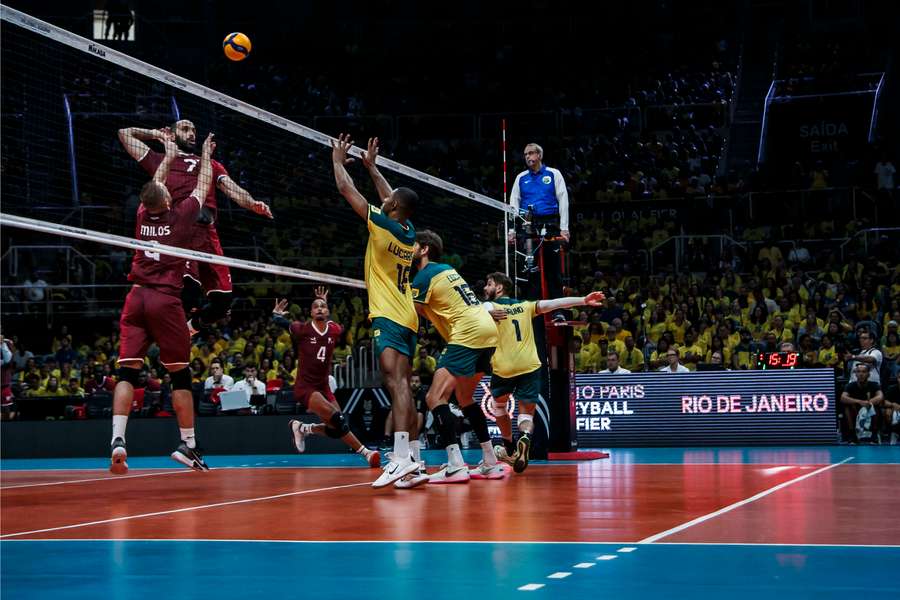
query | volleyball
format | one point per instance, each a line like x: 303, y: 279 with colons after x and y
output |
x: 236, y: 46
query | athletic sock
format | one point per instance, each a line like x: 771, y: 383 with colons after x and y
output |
x: 187, y: 436
x: 401, y: 445
x: 365, y: 452
x: 446, y: 424
x: 416, y: 451
x: 455, y: 456
x: 487, y: 452
x: 478, y: 421
x: 119, y: 424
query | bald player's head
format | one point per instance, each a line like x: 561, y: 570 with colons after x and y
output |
x: 185, y: 136
x: 319, y: 310
x: 155, y: 197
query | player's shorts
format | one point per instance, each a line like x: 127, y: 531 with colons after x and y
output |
x: 152, y: 316
x: 389, y: 334
x: 465, y: 362
x: 213, y: 278
x: 524, y: 388
x: 303, y: 393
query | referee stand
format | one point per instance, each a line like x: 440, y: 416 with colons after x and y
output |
x: 542, y: 250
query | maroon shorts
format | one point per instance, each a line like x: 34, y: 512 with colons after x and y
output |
x: 213, y: 278
x: 152, y: 316
x: 303, y: 392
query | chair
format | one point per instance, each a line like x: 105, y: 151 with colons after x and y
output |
x: 285, y: 404
x: 99, y: 405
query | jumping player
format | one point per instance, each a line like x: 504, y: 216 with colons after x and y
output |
x: 389, y: 254
x: 182, y: 178
x: 516, y: 366
x: 314, y: 344
x: 153, y: 311
x: 444, y: 298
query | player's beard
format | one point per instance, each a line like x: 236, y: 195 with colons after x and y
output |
x: 186, y: 146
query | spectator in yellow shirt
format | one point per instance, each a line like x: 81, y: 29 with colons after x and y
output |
x: 632, y: 359
x: 658, y: 357
x: 678, y: 325
x: 590, y: 349
x: 691, y: 353
x: 424, y: 366
x: 828, y: 356
x: 621, y: 332
x: 781, y: 333
x: 52, y: 388
x: 74, y: 389
x: 612, y: 339
x: 584, y: 361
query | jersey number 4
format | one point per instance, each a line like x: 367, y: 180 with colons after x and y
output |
x: 321, y: 354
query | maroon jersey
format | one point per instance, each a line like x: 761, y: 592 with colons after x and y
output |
x: 173, y: 228
x: 182, y: 179
x: 314, y: 350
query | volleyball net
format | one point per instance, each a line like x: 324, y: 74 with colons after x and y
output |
x: 68, y: 183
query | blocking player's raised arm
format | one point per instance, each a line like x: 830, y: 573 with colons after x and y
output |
x: 242, y: 197
x: 342, y: 179
x: 204, y: 178
x: 162, y: 171
x: 133, y: 138
x: 592, y: 299
x: 369, y: 157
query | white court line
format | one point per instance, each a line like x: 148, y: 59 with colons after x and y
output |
x: 607, y: 557
x: 186, y: 509
x: 584, y: 565
x: 115, y: 478
x: 730, y: 507
x: 517, y: 542
x: 558, y: 575
x: 530, y: 587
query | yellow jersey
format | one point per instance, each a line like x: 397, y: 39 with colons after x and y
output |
x: 516, y: 353
x: 389, y: 255
x: 453, y: 308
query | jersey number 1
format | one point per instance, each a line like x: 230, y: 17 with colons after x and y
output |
x: 518, y: 331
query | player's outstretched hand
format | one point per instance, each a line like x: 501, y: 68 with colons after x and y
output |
x: 594, y: 299
x: 371, y: 154
x: 165, y: 134
x: 261, y: 208
x: 498, y: 314
x: 209, y: 145
x: 280, y: 307
x: 321, y: 291
x: 340, y: 148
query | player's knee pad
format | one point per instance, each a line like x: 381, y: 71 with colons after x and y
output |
x: 217, y: 307
x: 337, y: 426
x: 181, y: 379
x: 498, y: 407
x: 524, y: 418
x: 132, y: 376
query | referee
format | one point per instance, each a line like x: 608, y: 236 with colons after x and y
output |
x: 540, y: 193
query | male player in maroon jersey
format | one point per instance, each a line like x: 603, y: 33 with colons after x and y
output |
x: 314, y: 343
x: 153, y: 310
x: 182, y: 178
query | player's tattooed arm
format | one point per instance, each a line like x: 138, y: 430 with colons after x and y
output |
x: 204, y: 178
x: 242, y: 197
x: 345, y: 185
x: 133, y: 138
x: 369, y: 157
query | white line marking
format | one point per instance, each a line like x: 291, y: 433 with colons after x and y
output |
x: 627, y: 549
x: 186, y: 509
x: 776, y: 470
x: 530, y: 587
x: 115, y: 478
x: 558, y: 575
x: 583, y: 565
x: 730, y: 507
x: 607, y: 557
x: 515, y: 542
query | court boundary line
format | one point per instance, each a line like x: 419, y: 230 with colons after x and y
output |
x: 482, y: 542
x: 702, y: 519
x: 113, y: 478
x: 184, y: 509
